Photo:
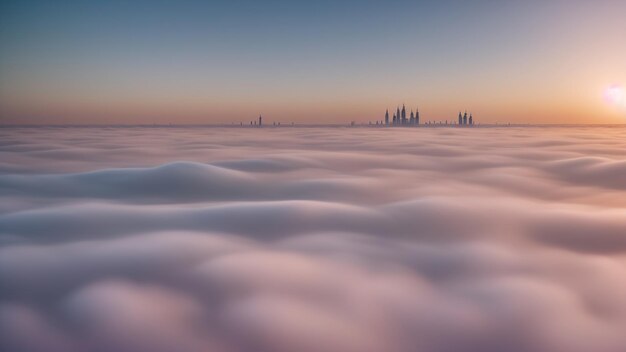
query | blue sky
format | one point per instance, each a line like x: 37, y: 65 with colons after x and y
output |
x: 220, y: 61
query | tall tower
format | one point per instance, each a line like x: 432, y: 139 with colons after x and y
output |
x: 471, y: 120
x: 398, y: 115
x: 460, y: 118
x: 260, y: 120
x: 465, y: 118
x: 395, y: 119
x: 387, y: 117
x: 412, y: 120
x: 417, y: 116
x: 403, y: 115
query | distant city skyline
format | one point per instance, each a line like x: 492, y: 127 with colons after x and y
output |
x: 215, y: 62
x: 401, y: 118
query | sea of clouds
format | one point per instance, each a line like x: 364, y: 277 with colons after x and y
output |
x: 313, y: 239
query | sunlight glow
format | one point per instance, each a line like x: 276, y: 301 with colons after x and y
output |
x: 615, y: 95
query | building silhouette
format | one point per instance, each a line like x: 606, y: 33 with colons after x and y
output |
x: 400, y: 118
x: 398, y: 115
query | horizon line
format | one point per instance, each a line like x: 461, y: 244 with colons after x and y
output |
x: 294, y: 124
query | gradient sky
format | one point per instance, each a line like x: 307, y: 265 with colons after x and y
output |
x: 310, y: 61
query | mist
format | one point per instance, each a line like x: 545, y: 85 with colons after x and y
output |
x: 313, y: 239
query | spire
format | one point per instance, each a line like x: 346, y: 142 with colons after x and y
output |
x: 398, y: 121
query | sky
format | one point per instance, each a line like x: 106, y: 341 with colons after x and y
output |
x: 101, y: 62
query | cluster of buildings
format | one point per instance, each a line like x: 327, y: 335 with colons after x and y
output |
x: 463, y: 120
x: 400, y: 118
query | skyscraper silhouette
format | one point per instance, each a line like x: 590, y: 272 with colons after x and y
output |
x: 398, y: 115
x: 403, y: 117
x: 260, y: 120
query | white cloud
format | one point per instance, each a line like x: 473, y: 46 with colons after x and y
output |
x: 313, y: 239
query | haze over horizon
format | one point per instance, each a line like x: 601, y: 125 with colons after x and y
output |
x: 212, y: 62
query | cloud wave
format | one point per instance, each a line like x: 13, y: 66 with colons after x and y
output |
x: 329, y: 239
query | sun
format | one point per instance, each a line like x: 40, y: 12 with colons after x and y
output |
x: 615, y: 95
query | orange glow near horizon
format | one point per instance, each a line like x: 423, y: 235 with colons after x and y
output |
x: 530, y: 62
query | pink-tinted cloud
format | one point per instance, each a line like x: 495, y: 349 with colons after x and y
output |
x: 329, y: 239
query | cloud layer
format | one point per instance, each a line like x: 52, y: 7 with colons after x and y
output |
x: 313, y: 239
